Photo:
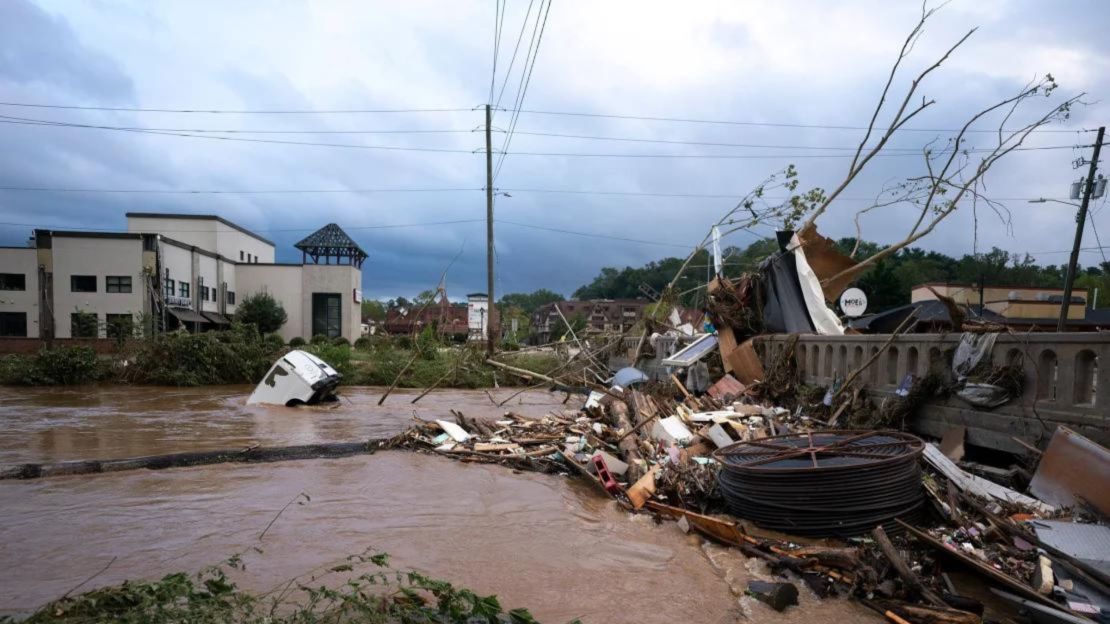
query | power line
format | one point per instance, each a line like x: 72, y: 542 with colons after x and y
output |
x: 390, y: 226
x: 512, y: 61
x: 734, y: 196
x: 522, y: 91
x: 720, y: 144
x: 269, y: 231
x: 767, y: 123
x: 526, y: 111
x: 199, y: 134
x: 498, y: 20
x: 591, y: 235
x: 36, y: 122
x: 232, y: 191
x: 241, y: 112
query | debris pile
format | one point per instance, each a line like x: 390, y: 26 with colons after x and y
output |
x: 818, y: 482
x: 894, y: 514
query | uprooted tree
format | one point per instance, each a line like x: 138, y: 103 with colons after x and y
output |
x: 953, y: 174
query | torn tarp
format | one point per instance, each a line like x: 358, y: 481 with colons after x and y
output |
x: 784, y: 308
x: 794, y: 301
x: 824, y: 319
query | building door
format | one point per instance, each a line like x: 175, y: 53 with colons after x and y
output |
x: 327, y: 315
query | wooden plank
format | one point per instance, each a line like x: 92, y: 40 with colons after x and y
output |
x: 978, y: 485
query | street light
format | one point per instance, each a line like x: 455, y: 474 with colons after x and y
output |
x: 1044, y: 200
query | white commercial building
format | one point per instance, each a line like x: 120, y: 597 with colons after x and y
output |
x: 175, y: 270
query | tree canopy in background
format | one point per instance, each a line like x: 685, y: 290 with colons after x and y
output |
x: 887, y: 283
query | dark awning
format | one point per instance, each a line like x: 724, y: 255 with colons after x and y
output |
x: 216, y: 318
x: 186, y: 315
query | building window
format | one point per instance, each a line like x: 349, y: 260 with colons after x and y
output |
x: 13, y: 324
x: 169, y: 287
x: 183, y: 289
x: 13, y: 281
x: 82, y: 283
x: 117, y: 284
x: 119, y: 325
x: 248, y: 257
x: 327, y: 316
x: 240, y: 255
x: 82, y: 325
x: 230, y: 297
x: 215, y: 292
x: 204, y: 293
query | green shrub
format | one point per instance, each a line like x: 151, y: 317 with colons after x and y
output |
x: 341, y: 341
x: 238, y: 355
x: 339, y: 356
x: 274, y: 341
x: 53, y: 366
x: 427, y: 343
x: 374, y: 594
x: 320, y: 339
x: 262, y: 311
x: 296, y: 342
x: 364, y: 343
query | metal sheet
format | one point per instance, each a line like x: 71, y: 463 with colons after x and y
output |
x: 218, y: 319
x: 693, y: 352
x: 1073, y: 468
x: 186, y: 315
x: 1089, y: 542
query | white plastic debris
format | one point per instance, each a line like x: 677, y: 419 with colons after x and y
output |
x: 456, y: 432
x: 670, y: 430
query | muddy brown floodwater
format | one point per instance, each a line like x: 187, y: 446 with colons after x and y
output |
x: 540, y: 541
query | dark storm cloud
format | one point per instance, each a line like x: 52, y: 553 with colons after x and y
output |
x: 798, y: 63
x: 38, y: 48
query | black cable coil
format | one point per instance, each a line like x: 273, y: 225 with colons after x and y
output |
x: 824, y: 483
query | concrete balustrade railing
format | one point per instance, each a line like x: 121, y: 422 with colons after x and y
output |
x: 1064, y: 382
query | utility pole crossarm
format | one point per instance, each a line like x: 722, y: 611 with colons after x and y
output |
x: 1080, y: 222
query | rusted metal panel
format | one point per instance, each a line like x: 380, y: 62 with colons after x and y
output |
x: 1073, y: 468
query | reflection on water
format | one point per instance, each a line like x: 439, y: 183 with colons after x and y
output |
x: 58, y: 424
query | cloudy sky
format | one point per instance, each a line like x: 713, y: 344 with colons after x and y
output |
x: 806, y: 63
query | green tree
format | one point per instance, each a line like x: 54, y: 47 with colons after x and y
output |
x: 426, y: 297
x: 373, y: 309
x: 528, y: 302
x: 262, y: 311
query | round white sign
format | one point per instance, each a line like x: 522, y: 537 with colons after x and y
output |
x: 853, y: 302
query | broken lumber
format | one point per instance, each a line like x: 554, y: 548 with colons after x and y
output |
x: 629, y: 443
x: 913, y: 583
x: 977, y: 566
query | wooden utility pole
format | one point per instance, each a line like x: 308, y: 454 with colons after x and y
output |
x: 1080, y: 222
x: 489, y: 234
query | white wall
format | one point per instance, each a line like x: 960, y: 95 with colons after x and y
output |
x: 331, y: 278
x: 100, y: 257
x: 198, y: 232
x: 25, y: 261
x: 230, y: 242
x: 229, y: 273
x: 207, y: 271
x: 179, y: 263
x: 293, y: 286
x: 283, y: 282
